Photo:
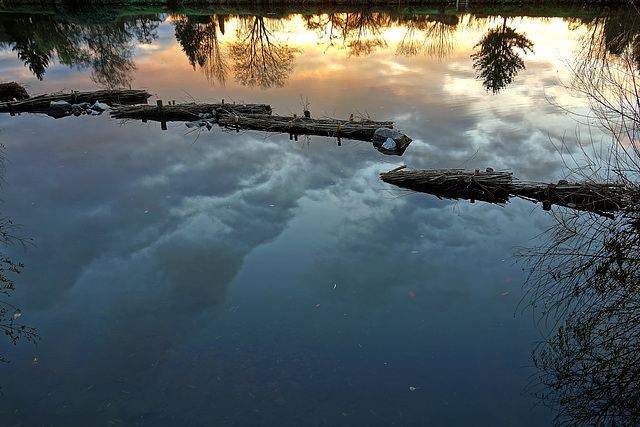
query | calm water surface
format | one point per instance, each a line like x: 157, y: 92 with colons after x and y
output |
x: 222, y: 278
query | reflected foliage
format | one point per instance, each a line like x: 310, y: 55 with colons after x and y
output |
x: 498, y: 61
x: 360, y: 34
x: 105, y: 48
x: 433, y: 35
x: 259, y: 57
x: 198, y: 36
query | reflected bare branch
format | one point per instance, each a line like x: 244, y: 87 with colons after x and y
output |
x: 260, y: 58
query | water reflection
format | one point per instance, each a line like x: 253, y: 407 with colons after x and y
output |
x: 198, y: 36
x: 258, y: 51
x: 498, y: 62
x: 432, y: 34
x: 106, y: 48
x: 260, y: 57
x: 584, y: 279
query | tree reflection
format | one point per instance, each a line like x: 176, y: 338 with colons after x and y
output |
x: 432, y: 34
x: 585, y: 279
x: 260, y: 58
x: 10, y: 324
x: 198, y: 37
x: 498, y: 61
x: 359, y: 33
x: 106, y: 48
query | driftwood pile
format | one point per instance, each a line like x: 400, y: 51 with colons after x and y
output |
x: 499, y: 186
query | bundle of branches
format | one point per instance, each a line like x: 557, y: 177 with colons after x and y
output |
x: 40, y: 103
x: 361, y: 129
x: 456, y: 184
x: 586, y: 196
x: 186, y: 112
x: 498, y: 187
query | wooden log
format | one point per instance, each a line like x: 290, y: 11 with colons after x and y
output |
x: 40, y: 103
x: 252, y: 117
x: 499, y: 187
x: 185, y: 112
x: 360, y: 130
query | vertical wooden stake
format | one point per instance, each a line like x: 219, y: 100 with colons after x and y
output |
x: 160, y: 108
x: 295, y: 116
x: 351, y: 117
x: 339, y: 126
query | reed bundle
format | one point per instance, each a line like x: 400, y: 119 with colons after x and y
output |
x: 499, y: 186
x: 40, y: 103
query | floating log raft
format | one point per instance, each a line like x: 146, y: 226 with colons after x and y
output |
x: 250, y: 117
x: 40, y: 103
x: 353, y: 129
x: 498, y: 187
x: 184, y: 112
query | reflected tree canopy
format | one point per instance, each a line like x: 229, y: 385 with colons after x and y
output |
x: 432, y: 34
x: 198, y: 37
x: 358, y: 33
x: 259, y: 57
x: 106, y: 48
x: 499, y: 61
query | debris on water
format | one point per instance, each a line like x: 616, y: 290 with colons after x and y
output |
x: 412, y: 388
x: 16, y: 315
x: 35, y: 361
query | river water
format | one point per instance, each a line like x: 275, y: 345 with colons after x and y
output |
x: 193, y: 278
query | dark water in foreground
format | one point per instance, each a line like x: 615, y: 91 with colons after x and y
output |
x: 222, y: 278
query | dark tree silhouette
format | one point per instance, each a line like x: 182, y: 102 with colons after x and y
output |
x: 498, y: 61
x: 198, y: 37
x: 259, y: 58
x: 106, y: 48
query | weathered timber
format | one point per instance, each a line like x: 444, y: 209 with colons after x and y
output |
x: 184, y: 112
x: 359, y: 129
x: 257, y: 117
x: 499, y: 186
x: 39, y: 103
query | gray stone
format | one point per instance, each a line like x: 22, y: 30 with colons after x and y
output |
x: 390, y: 141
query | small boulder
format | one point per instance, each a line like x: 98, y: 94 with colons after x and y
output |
x: 58, y: 109
x: 390, y: 141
